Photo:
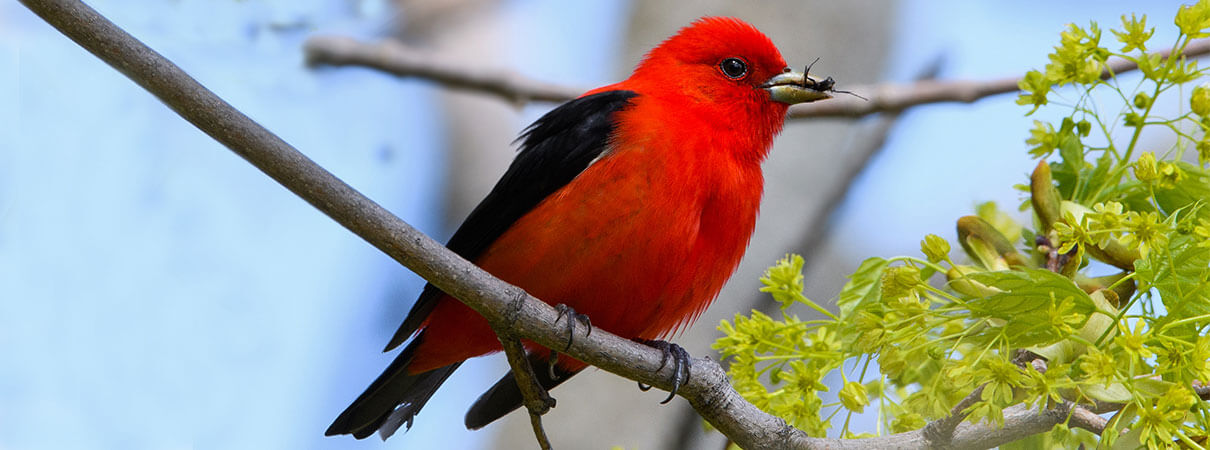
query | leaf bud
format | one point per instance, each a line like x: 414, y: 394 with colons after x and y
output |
x: 935, y: 248
x: 1199, y: 102
x: 1142, y: 100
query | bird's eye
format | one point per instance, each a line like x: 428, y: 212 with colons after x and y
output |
x: 733, y: 68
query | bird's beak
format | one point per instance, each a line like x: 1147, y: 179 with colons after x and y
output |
x: 796, y: 87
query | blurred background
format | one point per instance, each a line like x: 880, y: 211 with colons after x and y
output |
x: 158, y: 292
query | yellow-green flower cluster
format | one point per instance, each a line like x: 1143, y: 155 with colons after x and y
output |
x: 1110, y: 289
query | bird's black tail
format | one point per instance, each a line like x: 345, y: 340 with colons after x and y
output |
x: 392, y: 400
x: 505, y: 396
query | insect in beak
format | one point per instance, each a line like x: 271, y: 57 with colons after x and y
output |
x: 825, y: 85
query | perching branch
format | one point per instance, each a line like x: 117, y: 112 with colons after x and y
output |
x: 708, y: 390
x: 398, y: 59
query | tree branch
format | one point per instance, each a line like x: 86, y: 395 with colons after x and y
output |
x: 890, y: 97
x: 708, y: 389
x: 1083, y: 418
x: 398, y: 59
x: 401, y: 60
x: 537, y: 400
x: 940, y: 432
x: 1202, y: 390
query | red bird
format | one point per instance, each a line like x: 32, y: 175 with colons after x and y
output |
x: 631, y: 204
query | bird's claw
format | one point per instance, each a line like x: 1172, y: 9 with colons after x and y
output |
x: 681, y: 363
x: 572, y: 317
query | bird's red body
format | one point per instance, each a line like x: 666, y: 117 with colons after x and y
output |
x: 641, y: 242
x: 642, y: 237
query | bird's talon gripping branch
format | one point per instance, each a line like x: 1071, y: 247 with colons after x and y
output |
x: 572, y: 318
x: 681, y: 363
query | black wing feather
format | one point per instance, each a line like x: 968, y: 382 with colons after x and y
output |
x: 391, y: 400
x: 555, y: 149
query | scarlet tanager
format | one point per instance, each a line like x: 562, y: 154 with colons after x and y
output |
x: 631, y: 204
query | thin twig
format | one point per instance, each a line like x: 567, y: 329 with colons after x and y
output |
x: 941, y: 432
x: 537, y: 400
x: 398, y: 59
x: 890, y: 97
x: 535, y: 421
x: 401, y: 60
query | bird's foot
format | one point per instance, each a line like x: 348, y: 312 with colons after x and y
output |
x: 681, y: 363
x: 572, y: 317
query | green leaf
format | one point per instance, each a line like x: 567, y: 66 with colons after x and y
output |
x: 1152, y: 387
x: 1031, y: 442
x: 1070, y: 147
x: 862, y: 288
x: 1095, y: 326
x: 1115, y: 393
x: 1025, y: 291
x: 1060, y: 352
x: 1025, y: 304
x: 1179, y: 273
x: 1067, y: 171
x: 1192, y: 186
x: 1098, y: 178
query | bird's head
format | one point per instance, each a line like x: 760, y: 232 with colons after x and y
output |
x: 723, y: 62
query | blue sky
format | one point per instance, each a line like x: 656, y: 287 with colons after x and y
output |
x: 158, y: 292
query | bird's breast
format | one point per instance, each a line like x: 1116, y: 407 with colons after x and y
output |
x: 640, y: 241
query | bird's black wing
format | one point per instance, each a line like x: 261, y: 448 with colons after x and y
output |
x: 554, y: 150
